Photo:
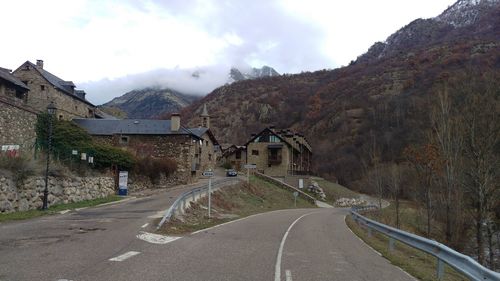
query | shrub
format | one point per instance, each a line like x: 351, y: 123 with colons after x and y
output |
x: 227, y: 165
x: 20, y: 167
x: 154, y: 168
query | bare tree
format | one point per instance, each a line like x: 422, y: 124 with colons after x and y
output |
x: 480, y: 118
x: 394, y: 186
x: 449, y: 142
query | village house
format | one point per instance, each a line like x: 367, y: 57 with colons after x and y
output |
x: 193, y: 149
x: 17, y: 120
x: 279, y: 153
x: 45, y: 87
x: 236, y: 156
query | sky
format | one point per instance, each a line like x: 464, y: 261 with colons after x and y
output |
x: 110, y: 47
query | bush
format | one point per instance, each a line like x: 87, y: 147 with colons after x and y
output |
x: 20, y: 167
x: 154, y: 168
x: 227, y: 165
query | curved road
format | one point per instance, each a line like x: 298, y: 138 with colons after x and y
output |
x: 101, y: 244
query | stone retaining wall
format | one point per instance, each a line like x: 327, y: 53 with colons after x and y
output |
x: 27, y: 196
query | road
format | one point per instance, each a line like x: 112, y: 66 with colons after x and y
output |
x: 101, y: 244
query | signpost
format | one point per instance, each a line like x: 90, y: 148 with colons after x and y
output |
x: 209, y: 174
x: 295, y: 194
x: 248, y: 167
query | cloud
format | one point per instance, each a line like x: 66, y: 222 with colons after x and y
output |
x: 109, y: 47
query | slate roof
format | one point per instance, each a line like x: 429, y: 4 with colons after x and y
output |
x: 200, y: 131
x: 66, y: 86
x: 7, y: 76
x: 108, y: 127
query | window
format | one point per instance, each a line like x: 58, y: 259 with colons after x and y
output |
x: 238, y: 154
x: 124, y: 140
x: 274, y: 139
x: 206, y: 143
x: 76, y: 107
x: 60, y: 117
x: 209, y: 157
x: 42, y: 87
x: 255, y: 152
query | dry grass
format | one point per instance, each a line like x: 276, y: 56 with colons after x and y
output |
x: 417, y: 263
x: 234, y: 202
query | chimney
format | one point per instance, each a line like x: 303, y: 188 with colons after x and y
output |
x: 39, y: 64
x: 175, y: 122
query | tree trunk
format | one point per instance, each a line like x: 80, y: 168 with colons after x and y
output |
x: 479, y: 238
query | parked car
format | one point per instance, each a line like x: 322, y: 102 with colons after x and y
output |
x: 231, y: 173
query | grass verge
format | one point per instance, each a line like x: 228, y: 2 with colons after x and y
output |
x: 233, y: 202
x: 57, y: 208
x: 417, y: 263
x: 334, y: 191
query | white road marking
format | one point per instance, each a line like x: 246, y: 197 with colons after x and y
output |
x: 64, y: 212
x: 156, y: 238
x: 125, y: 256
x: 288, y: 275
x: 145, y: 225
x: 277, y: 268
x: 215, y: 226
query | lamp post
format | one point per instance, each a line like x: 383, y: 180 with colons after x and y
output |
x: 51, y: 110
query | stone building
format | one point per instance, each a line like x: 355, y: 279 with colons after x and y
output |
x: 279, y: 153
x: 191, y: 148
x: 236, y: 156
x: 45, y: 87
x: 17, y: 120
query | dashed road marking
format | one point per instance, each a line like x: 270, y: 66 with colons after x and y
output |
x: 277, y: 268
x: 125, y: 256
x: 288, y: 275
x: 158, y: 215
x: 145, y: 225
x: 156, y: 238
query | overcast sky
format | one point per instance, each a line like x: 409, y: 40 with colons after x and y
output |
x: 110, y: 47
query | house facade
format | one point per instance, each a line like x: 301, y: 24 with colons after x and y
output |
x: 45, y: 87
x: 279, y: 153
x: 191, y: 148
x: 236, y: 156
x: 17, y: 120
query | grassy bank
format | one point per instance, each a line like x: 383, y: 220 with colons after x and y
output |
x: 57, y: 208
x: 417, y: 263
x: 334, y: 191
x: 230, y: 203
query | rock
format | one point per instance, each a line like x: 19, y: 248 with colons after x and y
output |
x: 5, y: 206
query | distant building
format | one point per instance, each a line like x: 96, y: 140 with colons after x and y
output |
x: 236, y: 156
x: 45, y: 87
x: 279, y: 153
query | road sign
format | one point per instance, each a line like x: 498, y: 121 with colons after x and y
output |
x: 208, y: 174
x: 250, y: 166
x: 295, y: 194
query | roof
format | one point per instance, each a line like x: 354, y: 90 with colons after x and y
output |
x: 65, y: 86
x: 108, y: 127
x: 205, y: 111
x: 7, y: 76
x: 286, y: 137
x: 200, y: 131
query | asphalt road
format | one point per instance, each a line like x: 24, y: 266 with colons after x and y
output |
x: 102, y: 244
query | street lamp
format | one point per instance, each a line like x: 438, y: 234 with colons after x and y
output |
x: 51, y: 110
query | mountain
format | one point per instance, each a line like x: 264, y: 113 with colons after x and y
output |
x: 149, y: 103
x: 383, y: 98
x: 156, y: 102
x: 254, y: 73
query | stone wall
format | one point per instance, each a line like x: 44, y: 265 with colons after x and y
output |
x: 17, y: 127
x: 42, y: 93
x: 27, y: 196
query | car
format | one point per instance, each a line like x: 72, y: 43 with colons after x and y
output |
x: 231, y: 173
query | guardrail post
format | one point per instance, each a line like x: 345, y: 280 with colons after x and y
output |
x: 391, y: 244
x: 440, y: 269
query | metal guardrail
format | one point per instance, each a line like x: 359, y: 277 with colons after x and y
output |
x: 301, y: 193
x: 460, y: 262
x: 182, y: 202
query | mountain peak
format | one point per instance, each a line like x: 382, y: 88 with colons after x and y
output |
x: 236, y: 74
x: 465, y: 12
